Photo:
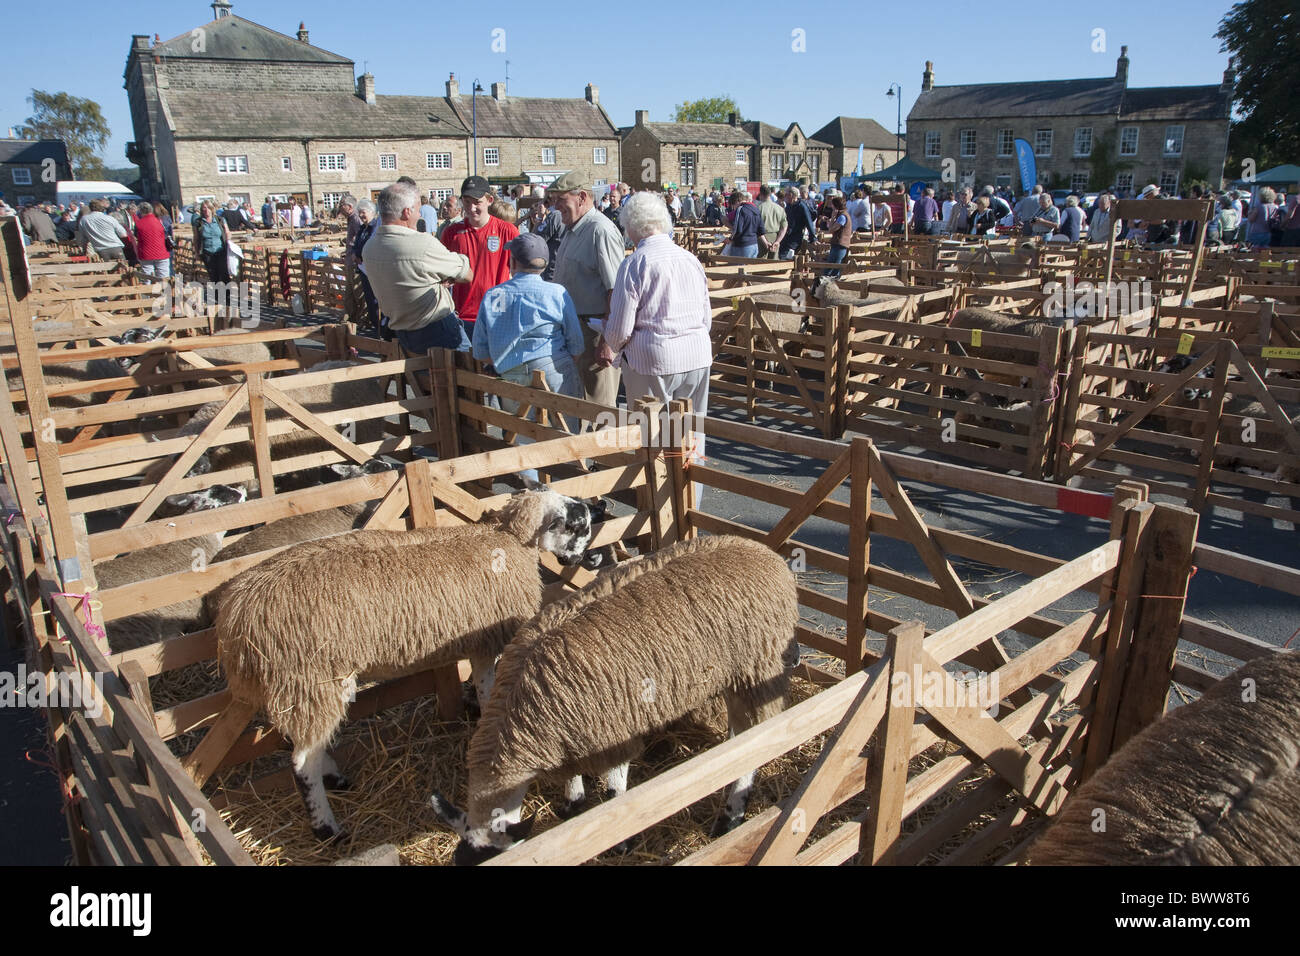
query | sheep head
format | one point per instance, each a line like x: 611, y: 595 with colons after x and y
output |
x: 479, y: 843
x: 549, y: 521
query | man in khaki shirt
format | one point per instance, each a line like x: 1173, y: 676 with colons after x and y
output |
x: 775, y: 224
x: 586, y: 264
x: 410, y: 272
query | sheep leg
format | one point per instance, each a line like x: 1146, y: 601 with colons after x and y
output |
x: 616, y: 781
x: 483, y: 672
x: 332, y: 776
x: 574, y: 798
x: 308, y: 766
x: 743, y: 712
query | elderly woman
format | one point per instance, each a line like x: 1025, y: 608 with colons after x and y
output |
x: 210, y: 237
x: 1258, y: 233
x: 659, y: 318
x: 982, y: 220
x: 368, y: 219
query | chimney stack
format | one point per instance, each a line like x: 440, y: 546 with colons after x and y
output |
x: 927, y: 78
x: 1121, y: 66
x: 453, y: 88
x: 499, y: 92
x: 366, y: 87
x: 731, y: 119
x: 642, y: 117
x: 140, y: 41
x: 220, y: 8
x: 1229, y: 77
x: 593, y: 94
x: 302, y: 33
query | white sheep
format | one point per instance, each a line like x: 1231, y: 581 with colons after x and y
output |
x: 296, y: 633
x: 646, y: 643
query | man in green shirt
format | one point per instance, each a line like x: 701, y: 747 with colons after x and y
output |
x: 775, y: 224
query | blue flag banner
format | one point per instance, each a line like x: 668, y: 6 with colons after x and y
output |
x: 858, y: 170
x: 917, y: 189
x: 1028, y: 165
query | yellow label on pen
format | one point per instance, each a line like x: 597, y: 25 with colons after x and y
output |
x: 735, y: 302
x: 1273, y: 351
x: 1126, y: 255
x: 1185, y: 342
x: 976, y: 336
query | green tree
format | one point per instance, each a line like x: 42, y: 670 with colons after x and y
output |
x: 713, y: 110
x: 76, y: 121
x: 1263, y: 37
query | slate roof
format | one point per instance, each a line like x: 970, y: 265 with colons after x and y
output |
x: 1038, y: 98
x: 1106, y: 96
x: 849, y: 131
x: 531, y: 117
x: 33, y: 151
x: 765, y: 134
x: 1176, y: 103
x: 234, y: 38
x: 197, y: 114
x: 703, y: 134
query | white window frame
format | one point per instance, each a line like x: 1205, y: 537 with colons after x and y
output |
x: 442, y: 195
x: 777, y: 165
x: 962, y: 140
x: 599, y: 156
x: 1124, y: 181
x: 1041, y: 149
x: 437, y: 160
x: 491, y: 156
x: 815, y: 164
x: 933, y: 144
x: 1182, y: 130
x: 1082, y: 153
x: 286, y: 164
x: 19, y: 181
x: 331, y: 200
x: 388, y: 156
x: 740, y: 158
x: 1169, y: 188
x: 879, y: 163
x: 1137, y: 134
x: 1006, y: 143
x: 232, y: 165
x: 331, y: 162
x: 1079, y: 182
x: 600, y: 182
x: 551, y: 151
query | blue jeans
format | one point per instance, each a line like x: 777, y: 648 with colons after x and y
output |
x: 745, y: 252
x: 445, y: 333
x: 562, y: 377
x: 928, y: 228
x: 837, y: 254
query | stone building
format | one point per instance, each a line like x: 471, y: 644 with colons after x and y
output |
x: 235, y: 110
x: 787, y: 154
x: 536, y: 139
x: 31, y: 168
x: 712, y: 155
x: 1082, y: 131
x: 844, y: 134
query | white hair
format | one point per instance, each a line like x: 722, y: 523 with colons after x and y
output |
x: 397, y: 198
x: 743, y: 195
x: 367, y: 206
x: 645, y: 214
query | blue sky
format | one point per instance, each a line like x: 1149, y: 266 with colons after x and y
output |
x: 852, y: 53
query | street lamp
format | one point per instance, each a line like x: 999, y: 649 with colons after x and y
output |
x: 473, y: 103
x: 896, y: 90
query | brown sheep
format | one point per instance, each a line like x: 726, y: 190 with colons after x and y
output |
x: 298, y: 632
x: 1216, y: 782
x: 584, y: 683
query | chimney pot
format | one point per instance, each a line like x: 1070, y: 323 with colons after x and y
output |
x: 731, y: 119
x: 302, y: 32
x: 593, y: 94
x: 927, y: 78
x: 499, y: 92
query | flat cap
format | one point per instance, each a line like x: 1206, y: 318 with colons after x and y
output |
x: 570, y: 182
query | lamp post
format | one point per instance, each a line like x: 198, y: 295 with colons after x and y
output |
x: 896, y: 90
x: 473, y: 104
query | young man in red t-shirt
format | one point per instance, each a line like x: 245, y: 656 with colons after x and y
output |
x: 484, y: 239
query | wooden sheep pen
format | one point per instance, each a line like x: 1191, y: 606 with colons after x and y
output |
x: 973, y: 789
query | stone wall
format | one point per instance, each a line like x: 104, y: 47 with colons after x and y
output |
x: 196, y: 167
x: 231, y: 76
x: 1204, y: 142
x: 517, y: 155
x: 711, y: 162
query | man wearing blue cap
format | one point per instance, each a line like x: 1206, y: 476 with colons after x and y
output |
x: 527, y: 324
